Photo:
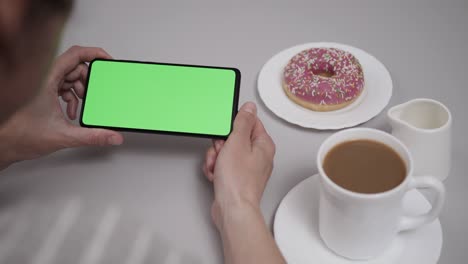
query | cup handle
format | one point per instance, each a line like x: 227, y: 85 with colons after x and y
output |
x: 413, y: 222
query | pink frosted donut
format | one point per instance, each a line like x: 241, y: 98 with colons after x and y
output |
x: 323, y: 79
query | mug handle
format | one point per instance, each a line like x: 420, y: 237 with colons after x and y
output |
x: 413, y: 222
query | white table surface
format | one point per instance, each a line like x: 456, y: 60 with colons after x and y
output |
x: 96, y: 205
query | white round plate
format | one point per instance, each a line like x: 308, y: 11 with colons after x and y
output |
x: 376, y: 94
x: 296, y: 231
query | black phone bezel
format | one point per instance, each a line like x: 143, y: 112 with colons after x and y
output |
x: 152, y: 131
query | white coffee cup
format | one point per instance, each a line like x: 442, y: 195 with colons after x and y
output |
x: 361, y: 226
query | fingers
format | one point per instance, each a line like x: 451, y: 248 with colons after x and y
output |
x: 77, y: 86
x: 79, y: 73
x: 244, y: 125
x: 210, y: 160
x: 72, y: 103
x: 262, y: 140
x: 75, y: 80
x: 81, y: 136
x: 69, y: 92
x: 75, y: 56
x: 218, y: 144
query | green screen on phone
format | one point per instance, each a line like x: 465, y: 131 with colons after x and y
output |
x: 171, y: 98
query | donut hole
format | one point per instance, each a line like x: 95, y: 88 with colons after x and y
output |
x: 324, y: 73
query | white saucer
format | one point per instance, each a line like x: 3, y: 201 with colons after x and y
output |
x: 296, y: 231
x: 376, y: 94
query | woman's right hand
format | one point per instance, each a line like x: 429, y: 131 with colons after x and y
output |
x: 240, y: 169
x: 240, y: 166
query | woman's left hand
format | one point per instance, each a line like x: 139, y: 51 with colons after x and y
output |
x: 40, y: 127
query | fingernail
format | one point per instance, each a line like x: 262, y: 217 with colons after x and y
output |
x: 250, y: 107
x: 114, y: 140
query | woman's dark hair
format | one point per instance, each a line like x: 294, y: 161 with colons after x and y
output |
x: 38, y: 12
x: 39, y: 9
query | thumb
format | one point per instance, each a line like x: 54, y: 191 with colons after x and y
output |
x: 81, y: 136
x: 244, y: 124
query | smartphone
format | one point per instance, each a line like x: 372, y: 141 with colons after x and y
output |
x: 161, y: 98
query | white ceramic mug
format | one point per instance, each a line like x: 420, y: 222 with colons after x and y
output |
x: 425, y: 127
x: 361, y: 226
